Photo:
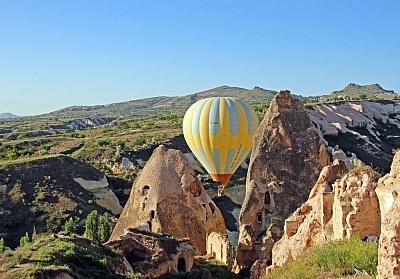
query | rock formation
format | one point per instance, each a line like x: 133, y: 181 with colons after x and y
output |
x: 355, y: 204
x: 311, y: 223
x: 369, y: 129
x: 338, y: 207
x: 220, y: 248
x: 389, y: 241
x: 103, y: 195
x: 389, y: 186
x: 154, y: 255
x: 287, y: 157
x: 169, y: 198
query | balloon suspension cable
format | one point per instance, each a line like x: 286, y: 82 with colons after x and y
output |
x: 221, y: 190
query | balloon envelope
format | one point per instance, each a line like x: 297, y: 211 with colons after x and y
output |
x: 219, y: 132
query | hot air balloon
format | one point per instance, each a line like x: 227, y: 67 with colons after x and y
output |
x: 219, y: 132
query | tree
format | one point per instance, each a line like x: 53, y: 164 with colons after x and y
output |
x: 91, y: 225
x: 104, y: 231
x: 97, y: 227
x: 24, y: 240
x: 70, y: 226
x: 2, y: 247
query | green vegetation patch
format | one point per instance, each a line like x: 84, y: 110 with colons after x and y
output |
x: 334, y: 260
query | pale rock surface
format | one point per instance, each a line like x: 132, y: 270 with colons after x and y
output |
x: 389, y: 241
x: 103, y: 195
x: 169, y: 197
x: 309, y: 225
x: 389, y: 186
x: 219, y: 246
x: 389, y: 244
x: 356, y: 206
x: 334, y: 118
x: 287, y: 157
x: 338, y: 207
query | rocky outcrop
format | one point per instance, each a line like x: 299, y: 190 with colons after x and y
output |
x: 169, y: 198
x: 389, y: 186
x: 220, y: 248
x: 338, y: 207
x: 287, y: 157
x: 355, y: 205
x: 103, y: 195
x: 389, y: 241
x: 368, y: 129
x: 311, y: 224
x: 154, y: 255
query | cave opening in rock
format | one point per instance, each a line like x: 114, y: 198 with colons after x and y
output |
x: 181, y: 265
x: 267, y: 199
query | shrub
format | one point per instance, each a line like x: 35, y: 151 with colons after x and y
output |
x: 70, y: 226
x: 12, y: 154
x: 24, y: 240
x: 103, y: 142
x: 2, y: 247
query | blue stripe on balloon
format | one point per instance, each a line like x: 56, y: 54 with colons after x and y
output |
x: 196, y: 117
x: 233, y: 117
x: 213, y: 123
x: 241, y: 157
x: 217, y: 160
x: 204, y: 161
x: 229, y: 159
x: 249, y: 116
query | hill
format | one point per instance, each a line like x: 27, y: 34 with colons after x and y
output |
x: 164, y: 104
x: 42, y: 194
x: 7, y: 115
x: 371, y: 91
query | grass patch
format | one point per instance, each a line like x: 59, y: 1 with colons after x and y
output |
x: 334, y: 260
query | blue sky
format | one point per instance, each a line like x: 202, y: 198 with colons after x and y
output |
x: 54, y: 54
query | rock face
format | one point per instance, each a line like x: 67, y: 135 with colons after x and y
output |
x: 389, y: 186
x: 287, y: 157
x: 309, y: 225
x: 368, y: 129
x: 168, y: 197
x: 154, y: 255
x: 336, y: 209
x: 389, y: 242
x: 103, y: 195
x: 355, y: 205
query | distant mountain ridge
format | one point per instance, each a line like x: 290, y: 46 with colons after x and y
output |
x: 366, y: 91
x: 7, y: 115
x: 164, y: 104
x: 168, y: 104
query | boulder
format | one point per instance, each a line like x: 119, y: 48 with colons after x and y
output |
x: 287, y: 157
x: 169, y: 197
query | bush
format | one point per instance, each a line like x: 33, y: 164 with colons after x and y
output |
x: 12, y: 154
x: 24, y: 240
x: 2, y: 247
x: 103, y: 142
x: 70, y: 226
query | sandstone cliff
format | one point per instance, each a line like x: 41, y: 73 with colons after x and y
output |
x: 389, y: 241
x: 287, y: 157
x: 338, y: 207
x: 167, y: 197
